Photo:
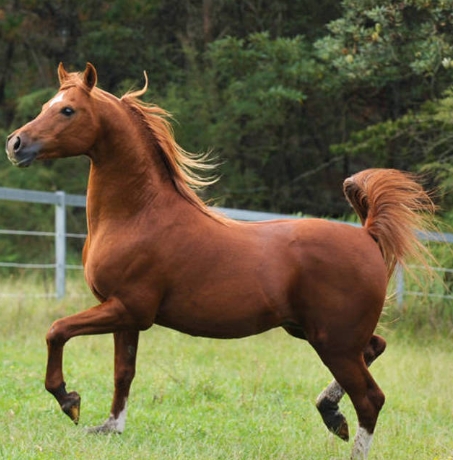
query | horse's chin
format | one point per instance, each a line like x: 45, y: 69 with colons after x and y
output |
x: 23, y: 161
x: 27, y: 160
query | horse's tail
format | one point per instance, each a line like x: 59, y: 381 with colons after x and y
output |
x: 393, y: 207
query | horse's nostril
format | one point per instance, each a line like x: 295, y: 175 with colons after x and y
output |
x: 16, y: 145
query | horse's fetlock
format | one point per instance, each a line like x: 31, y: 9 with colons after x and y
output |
x: 334, y: 420
x: 57, y: 390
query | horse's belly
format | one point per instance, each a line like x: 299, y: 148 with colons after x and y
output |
x: 230, y: 330
x: 233, y: 320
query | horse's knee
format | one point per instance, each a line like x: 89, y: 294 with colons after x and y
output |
x: 56, y: 335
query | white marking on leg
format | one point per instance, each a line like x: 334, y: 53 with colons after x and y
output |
x: 362, y: 444
x: 334, y: 392
x: 121, y: 420
x: 58, y: 98
x: 112, y: 424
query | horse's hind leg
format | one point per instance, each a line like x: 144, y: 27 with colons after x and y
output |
x: 329, y: 399
x: 126, y: 343
x: 327, y: 405
x: 353, y: 376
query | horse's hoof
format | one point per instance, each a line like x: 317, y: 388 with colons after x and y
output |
x: 100, y: 429
x: 109, y: 426
x: 342, y: 431
x: 71, y: 406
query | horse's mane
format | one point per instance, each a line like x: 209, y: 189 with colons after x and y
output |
x: 181, y: 164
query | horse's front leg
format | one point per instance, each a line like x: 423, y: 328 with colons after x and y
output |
x: 55, y: 384
x: 126, y: 344
x: 110, y: 316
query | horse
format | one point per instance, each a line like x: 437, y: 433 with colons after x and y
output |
x: 155, y: 253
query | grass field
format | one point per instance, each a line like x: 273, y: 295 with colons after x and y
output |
x: 201, y: 399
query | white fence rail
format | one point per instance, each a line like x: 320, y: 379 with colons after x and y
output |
x: 61, y: 200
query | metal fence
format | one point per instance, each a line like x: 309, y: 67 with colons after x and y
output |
x: 61, y: 200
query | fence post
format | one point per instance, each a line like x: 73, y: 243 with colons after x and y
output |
x: 399, y: 278
x: 60, y: 244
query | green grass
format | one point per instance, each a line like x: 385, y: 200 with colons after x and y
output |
x: 202, y: 399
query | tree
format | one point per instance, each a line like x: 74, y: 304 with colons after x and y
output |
x: 388, y: 58
x: 420, y: 141
x: 252, y: 101
x: 269, y: 85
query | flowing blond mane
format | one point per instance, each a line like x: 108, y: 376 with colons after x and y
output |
x: 182, y: 166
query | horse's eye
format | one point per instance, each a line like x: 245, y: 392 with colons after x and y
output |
x: 68, y: 111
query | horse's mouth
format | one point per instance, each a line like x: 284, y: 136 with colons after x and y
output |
x: 23, y: 161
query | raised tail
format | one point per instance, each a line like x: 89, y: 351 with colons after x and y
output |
x: 393, y: 207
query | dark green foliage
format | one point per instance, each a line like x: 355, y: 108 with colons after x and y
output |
x: 291, y: 97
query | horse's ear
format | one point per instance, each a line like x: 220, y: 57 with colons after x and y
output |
x: 62, y: 74
x: 90, y: 76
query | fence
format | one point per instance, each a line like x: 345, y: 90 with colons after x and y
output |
x: 62, y: 200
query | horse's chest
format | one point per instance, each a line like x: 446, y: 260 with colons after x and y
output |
x: 104, y: 263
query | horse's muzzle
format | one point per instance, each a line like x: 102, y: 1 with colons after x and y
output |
x: 20, y: 151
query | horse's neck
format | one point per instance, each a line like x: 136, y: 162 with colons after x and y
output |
x: 125, y: 180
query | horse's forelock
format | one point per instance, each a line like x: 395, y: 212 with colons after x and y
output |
x: 75, y: 80
x: 94, y: 93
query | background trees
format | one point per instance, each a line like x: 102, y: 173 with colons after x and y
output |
x: 291, y: 96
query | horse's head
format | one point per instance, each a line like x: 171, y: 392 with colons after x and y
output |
x: 66, y: 125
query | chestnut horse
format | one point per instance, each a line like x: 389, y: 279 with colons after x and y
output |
x: 156, y: 254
